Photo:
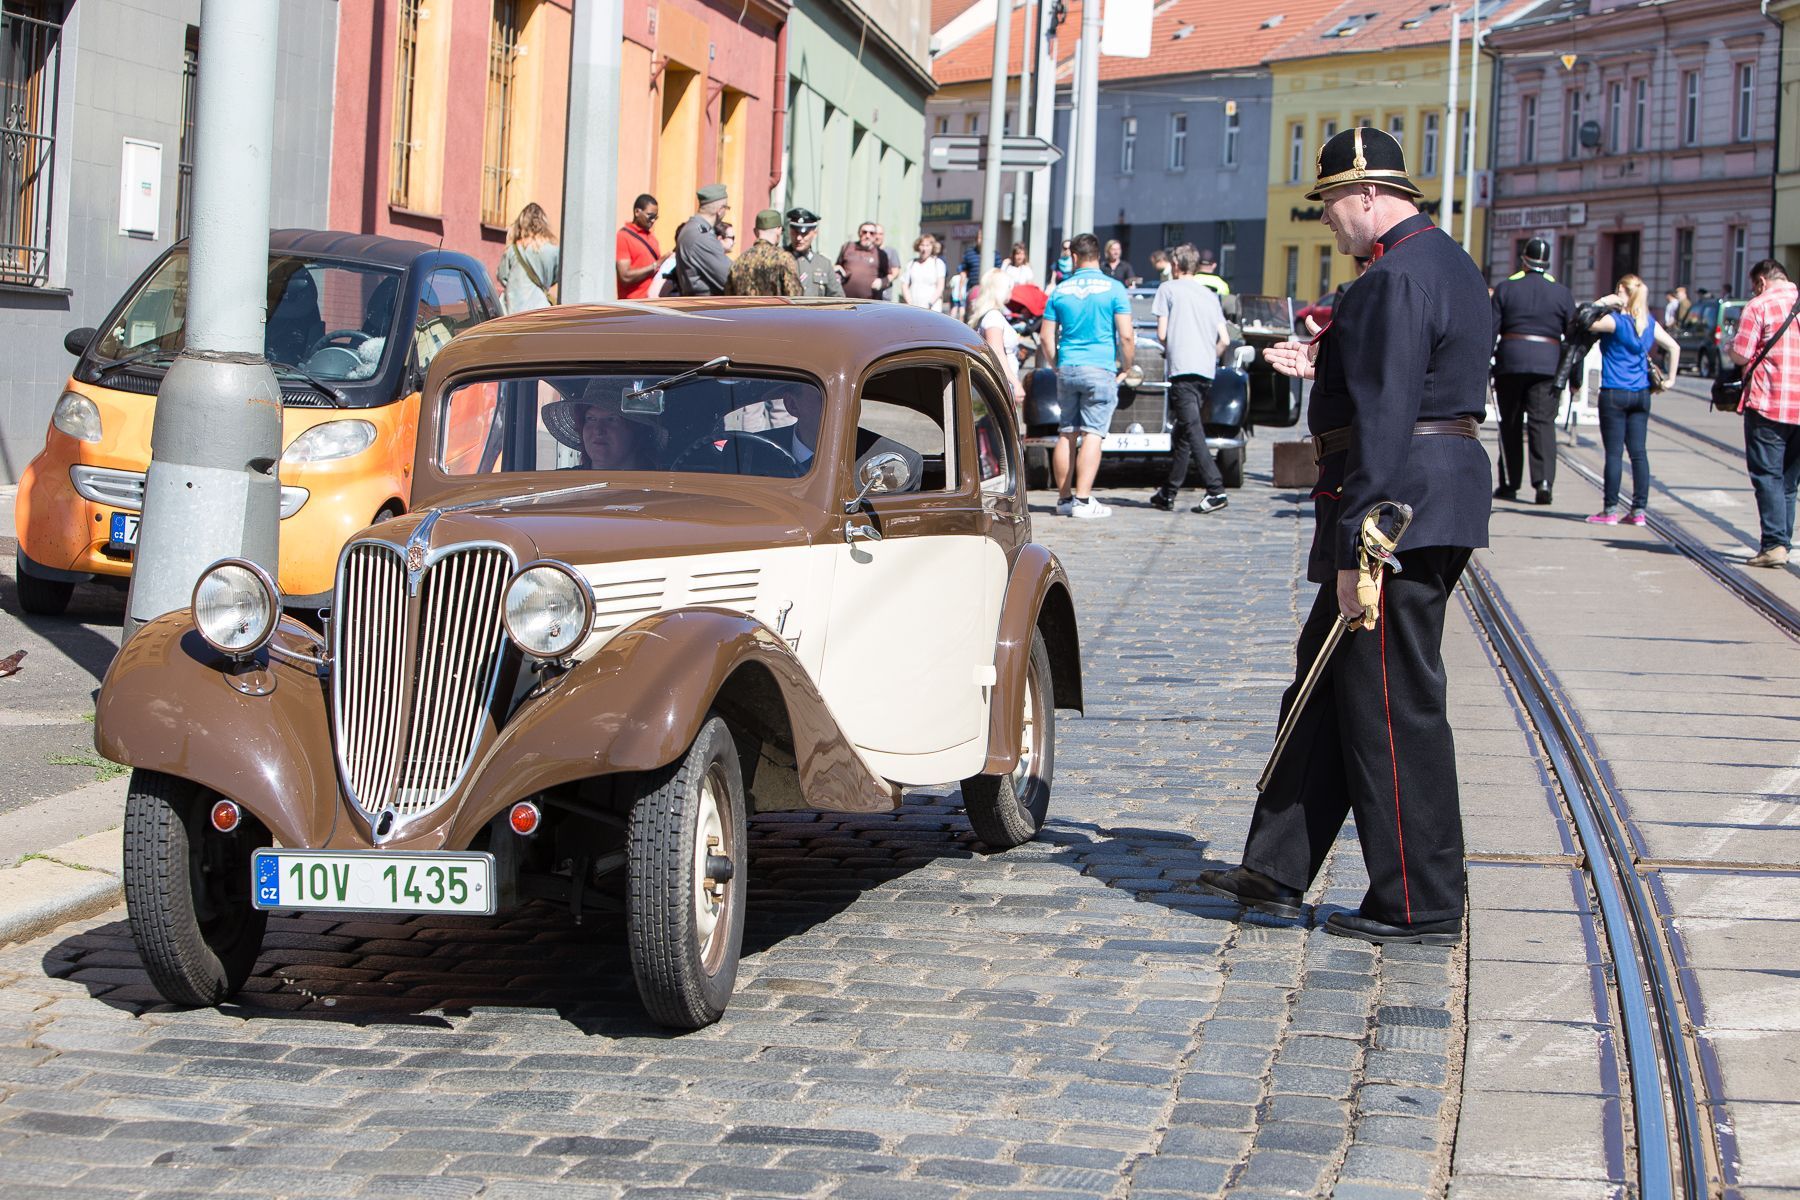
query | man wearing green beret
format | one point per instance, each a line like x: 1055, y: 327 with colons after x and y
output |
x: 765, y: 269
x: 701, y: 265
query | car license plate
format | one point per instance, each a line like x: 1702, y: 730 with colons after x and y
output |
x: 124, y: 529
x: 1137, y: 443
x: 374, y: 880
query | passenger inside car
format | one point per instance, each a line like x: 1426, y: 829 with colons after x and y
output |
x: 295, y: 325
x: 603, y: 435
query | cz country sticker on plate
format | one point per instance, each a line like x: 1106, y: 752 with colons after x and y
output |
x: 374, y: 881
x: 123, y: 531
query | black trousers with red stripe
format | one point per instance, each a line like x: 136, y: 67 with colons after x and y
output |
x: 1374, y: 739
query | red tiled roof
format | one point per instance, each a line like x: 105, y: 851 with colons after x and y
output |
x: 944, y: 11
x: 1217, y: 37
x: 974, y: 59
x: 1383, y: 25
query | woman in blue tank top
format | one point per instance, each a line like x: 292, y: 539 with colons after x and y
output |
x: 1626, y: 339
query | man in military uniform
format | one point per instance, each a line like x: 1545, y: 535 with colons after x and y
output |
x: 701, y: 264
x: 818, y: 276
x: 1531, y: 310
x: 765, y: 269
x: 1400, y: 381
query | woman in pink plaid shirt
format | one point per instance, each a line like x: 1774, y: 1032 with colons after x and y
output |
x: 1771, y: 406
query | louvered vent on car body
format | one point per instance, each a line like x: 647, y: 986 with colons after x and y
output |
x: 619, y: 602
x: 734, y: 588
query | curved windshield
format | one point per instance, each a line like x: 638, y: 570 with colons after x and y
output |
x: 328, y: 319
x: 717, y: 424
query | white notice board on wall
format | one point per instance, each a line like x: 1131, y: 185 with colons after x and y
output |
x: 140, y: 188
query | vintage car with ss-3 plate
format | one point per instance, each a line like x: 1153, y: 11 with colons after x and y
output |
x: 647, y: 590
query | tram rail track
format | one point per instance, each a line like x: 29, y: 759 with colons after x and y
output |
x: 1708, y: 439
x: 1676, y: 1152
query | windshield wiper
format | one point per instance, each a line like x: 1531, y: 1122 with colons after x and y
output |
x: 724, y: 360
x: 337, y: 397
x: 130, y: 360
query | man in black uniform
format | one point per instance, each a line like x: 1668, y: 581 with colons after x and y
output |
x: 1530, y: 311
x: 1400, y: 382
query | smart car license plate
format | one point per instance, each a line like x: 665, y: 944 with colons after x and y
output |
x: 124, y: 530
x: 374, y: 881
x: 1137, y: 443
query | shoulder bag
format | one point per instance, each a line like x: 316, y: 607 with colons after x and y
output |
x: 1728, y: 382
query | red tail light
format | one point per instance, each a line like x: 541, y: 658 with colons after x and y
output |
x: 524, y: 818
x: 225, y: 816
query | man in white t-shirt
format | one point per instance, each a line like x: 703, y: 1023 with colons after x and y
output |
x: 1191, y: 324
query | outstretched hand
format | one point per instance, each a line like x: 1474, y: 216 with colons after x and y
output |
x: 1292, y: 358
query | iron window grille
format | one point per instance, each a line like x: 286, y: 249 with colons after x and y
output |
x: 184, y: 158
x: 30, y: 75
x: 496, y: 155
x: 406, y: 66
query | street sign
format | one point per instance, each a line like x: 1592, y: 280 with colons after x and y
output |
x: 968, y: 152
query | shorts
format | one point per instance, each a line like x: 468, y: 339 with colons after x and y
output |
x: 1088, y: 396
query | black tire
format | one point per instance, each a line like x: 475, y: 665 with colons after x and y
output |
x: 187, y: 890
x: 685, y: 972
x: 1231, y: 466
x: 38, y: 596
x: 1037, y: 468
x: 1708, y: 366
x: 1008, y: 810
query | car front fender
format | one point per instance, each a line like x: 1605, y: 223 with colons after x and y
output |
x: 638, y: 703
x: 168, y: 705
x: 1038, y: 599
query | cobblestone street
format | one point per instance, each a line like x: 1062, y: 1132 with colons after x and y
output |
x: 914, y: 1018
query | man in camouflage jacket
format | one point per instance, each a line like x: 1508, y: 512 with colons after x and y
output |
x: 765, y: 269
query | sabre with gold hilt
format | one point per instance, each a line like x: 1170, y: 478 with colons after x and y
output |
x: 1374, y: 550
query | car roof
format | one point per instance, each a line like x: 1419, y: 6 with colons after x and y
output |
x: 363, y: 247
x: 830, y: 339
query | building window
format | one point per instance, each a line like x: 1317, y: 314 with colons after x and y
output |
x: 1572, y: 103
x: 1325, y: 269
x: 1397, y: 127
x: 1640, y: 112
x: 1128, y: 145
x: 1296, y: 152
x: 1327, y: 131
x: 406, y: 67
x: 1684, y: 258
x: 184, y: 154
x: 1173, y: 234
x: 1229, y: 155
x: 1690, y: 108
x: 1293, y: 271
x: 1615, y: 115
x: 943, y: 126
x: 1464, y: 144
x: 1528, y: 129
x: 30, y: 69
x: 1428, y: 150
x: 1178, y: 142
x: 972, y: 123
x: 1565, y: 256
x: 1227, y: 231
x: 1746, y: 95
x: 1740, y: 251
x: 496, y: 153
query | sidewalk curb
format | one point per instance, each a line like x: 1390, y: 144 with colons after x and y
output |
x: 75, y: 880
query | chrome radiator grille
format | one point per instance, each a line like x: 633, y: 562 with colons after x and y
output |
x: 415, y: 677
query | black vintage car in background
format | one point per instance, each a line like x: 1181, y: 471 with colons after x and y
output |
x: 1246, y: 392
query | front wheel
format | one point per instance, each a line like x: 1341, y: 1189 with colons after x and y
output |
x: 1231, y: 466
x: 686, y: 881
x: 41, y: 597
x: 1008, y: 810
x: 187, y: 890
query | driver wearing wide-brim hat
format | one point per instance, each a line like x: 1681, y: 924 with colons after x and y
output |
x: 598, y: 427
x: 1399, y: 386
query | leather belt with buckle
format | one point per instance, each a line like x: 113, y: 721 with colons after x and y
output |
x: 1336, y: 441
x: 1531, y: 337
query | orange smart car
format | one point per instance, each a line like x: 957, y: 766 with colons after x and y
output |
x: 353, y: 323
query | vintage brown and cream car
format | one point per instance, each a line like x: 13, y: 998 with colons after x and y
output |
x: 668, y: 565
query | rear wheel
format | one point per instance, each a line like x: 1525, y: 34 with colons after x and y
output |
x: 187, y: 890
x: 38, y: 596
x: 1231, y: 466
x: 686, y: 881
x: 1008, y: 810
x: 1037, y: 468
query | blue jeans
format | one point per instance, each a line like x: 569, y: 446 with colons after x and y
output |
x: 1624, y: 419
x: 1088, y: 396
x: 1772, y: 449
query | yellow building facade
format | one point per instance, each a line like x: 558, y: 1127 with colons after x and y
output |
x: 1402, y: 90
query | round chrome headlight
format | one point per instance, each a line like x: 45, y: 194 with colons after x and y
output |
x: 549, y: 609
x: 236, y: 607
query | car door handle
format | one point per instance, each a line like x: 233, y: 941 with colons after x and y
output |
x: 854, y: 533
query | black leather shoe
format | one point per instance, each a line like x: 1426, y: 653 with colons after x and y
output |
x: 1164, y: 499
x: 1543, y: 496
x: 1252, y: 889
x: 1418, y: 933
x: 1506, y: 493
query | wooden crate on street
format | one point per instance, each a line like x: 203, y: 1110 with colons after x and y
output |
x: 1294, y: 466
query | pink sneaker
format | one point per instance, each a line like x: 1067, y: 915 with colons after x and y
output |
x: 1607, y: 517
x: 1638, y: 517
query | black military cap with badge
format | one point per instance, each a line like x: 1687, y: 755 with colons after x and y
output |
x: 1362, y: 155
x: 802, y: 220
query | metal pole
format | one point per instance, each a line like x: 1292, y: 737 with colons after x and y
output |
x: 1087, y: 107
x: 591, y: 173
x: 212, y: 490
x: 1023, y: 124
x: 1447, y: 138
x: 1468, y: 227
x: 996, y: 139
x: 1045, y: 126
x: 1072, y: 160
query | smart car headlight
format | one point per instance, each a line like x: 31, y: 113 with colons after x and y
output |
x: 333, y: 439
x: 236, y: 607
x: 549, y: 609
x: 76, y: 416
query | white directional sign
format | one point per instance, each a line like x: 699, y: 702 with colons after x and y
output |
x: 968, y: 152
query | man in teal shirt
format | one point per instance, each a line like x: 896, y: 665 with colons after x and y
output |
x: 1087, y: 337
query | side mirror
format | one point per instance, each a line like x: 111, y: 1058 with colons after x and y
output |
x: 884, y: 472
x: 76, y: 341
